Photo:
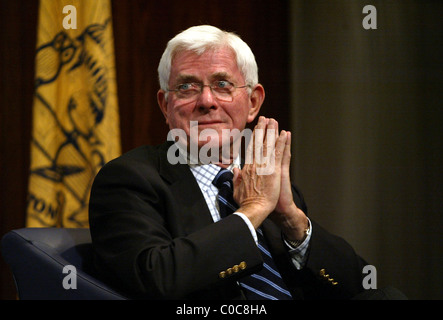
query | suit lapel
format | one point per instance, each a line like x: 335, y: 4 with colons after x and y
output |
x: 190, y: 202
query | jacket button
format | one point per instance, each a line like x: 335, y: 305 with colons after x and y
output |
x: 222, y: 274
x: 242, y: 265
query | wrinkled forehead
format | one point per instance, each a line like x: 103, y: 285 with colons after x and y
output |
x: 209, y: 63
x: 199, y: 50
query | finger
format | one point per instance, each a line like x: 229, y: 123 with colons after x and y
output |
x: 259, y: 139
x: 273, y: 161
x: 280, y: 147
x: 265, y: 142
x: 286, y: 161
x: 273, y: 124
x: 271, y: 127
x: 251, y: 144
x: 271, y: 135
x: 237, y: 175
x: 236, y: 183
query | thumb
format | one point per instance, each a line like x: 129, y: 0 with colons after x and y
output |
x: 237, y: 176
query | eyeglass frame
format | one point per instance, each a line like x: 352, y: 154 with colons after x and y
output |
x: 211, y: 87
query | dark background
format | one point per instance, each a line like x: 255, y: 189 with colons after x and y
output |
x: 364, y: 107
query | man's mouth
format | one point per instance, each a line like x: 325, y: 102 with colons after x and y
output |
x: 208, y: 122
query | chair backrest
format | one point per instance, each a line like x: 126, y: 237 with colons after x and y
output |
x: 38, y: 257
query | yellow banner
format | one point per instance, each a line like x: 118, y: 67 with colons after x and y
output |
x: 75, y: 112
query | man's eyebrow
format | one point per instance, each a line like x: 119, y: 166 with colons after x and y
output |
x: 184, y: 78
x: 220, y: 76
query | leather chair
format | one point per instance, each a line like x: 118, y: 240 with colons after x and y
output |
x: 37, y: 258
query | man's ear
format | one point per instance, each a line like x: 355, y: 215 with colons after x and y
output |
x: 256, y: 99
x: 163, y: 103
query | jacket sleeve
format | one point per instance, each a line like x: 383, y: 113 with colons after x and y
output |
x: 333, y: 270
x: 130, y: 227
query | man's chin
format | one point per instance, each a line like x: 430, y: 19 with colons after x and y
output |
x: 210, y: 143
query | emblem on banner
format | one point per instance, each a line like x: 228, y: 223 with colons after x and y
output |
x: 74, y: 90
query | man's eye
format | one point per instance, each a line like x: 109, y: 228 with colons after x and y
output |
x: 185, y: 86
x: 223, y: 84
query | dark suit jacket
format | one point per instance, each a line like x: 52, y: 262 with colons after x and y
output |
x: 154, y: 237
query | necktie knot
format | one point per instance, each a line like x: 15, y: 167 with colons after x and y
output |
x: 223, y: 179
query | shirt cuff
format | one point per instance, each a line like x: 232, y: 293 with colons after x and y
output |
x: 298, y: 254
x: 249, y: 224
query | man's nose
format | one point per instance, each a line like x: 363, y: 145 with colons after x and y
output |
x: 206, y: 99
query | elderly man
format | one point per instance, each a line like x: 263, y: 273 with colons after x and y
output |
x: 215, y: 229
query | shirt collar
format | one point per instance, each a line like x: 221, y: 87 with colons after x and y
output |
x: 205, y: 173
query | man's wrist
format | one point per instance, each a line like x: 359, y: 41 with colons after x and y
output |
x: 296, y: 243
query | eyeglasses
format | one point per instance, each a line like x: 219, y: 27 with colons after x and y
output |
x: 221, y: 89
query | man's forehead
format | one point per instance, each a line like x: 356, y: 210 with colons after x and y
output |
x: 212, y: 64
x: 210, y: 51
x: 221, y: 75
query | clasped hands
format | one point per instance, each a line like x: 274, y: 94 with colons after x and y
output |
x: 262, y: 187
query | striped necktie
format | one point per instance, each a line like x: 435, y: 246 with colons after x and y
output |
x: 267, y: 283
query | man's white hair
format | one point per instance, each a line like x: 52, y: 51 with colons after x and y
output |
x: 202, y: 38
